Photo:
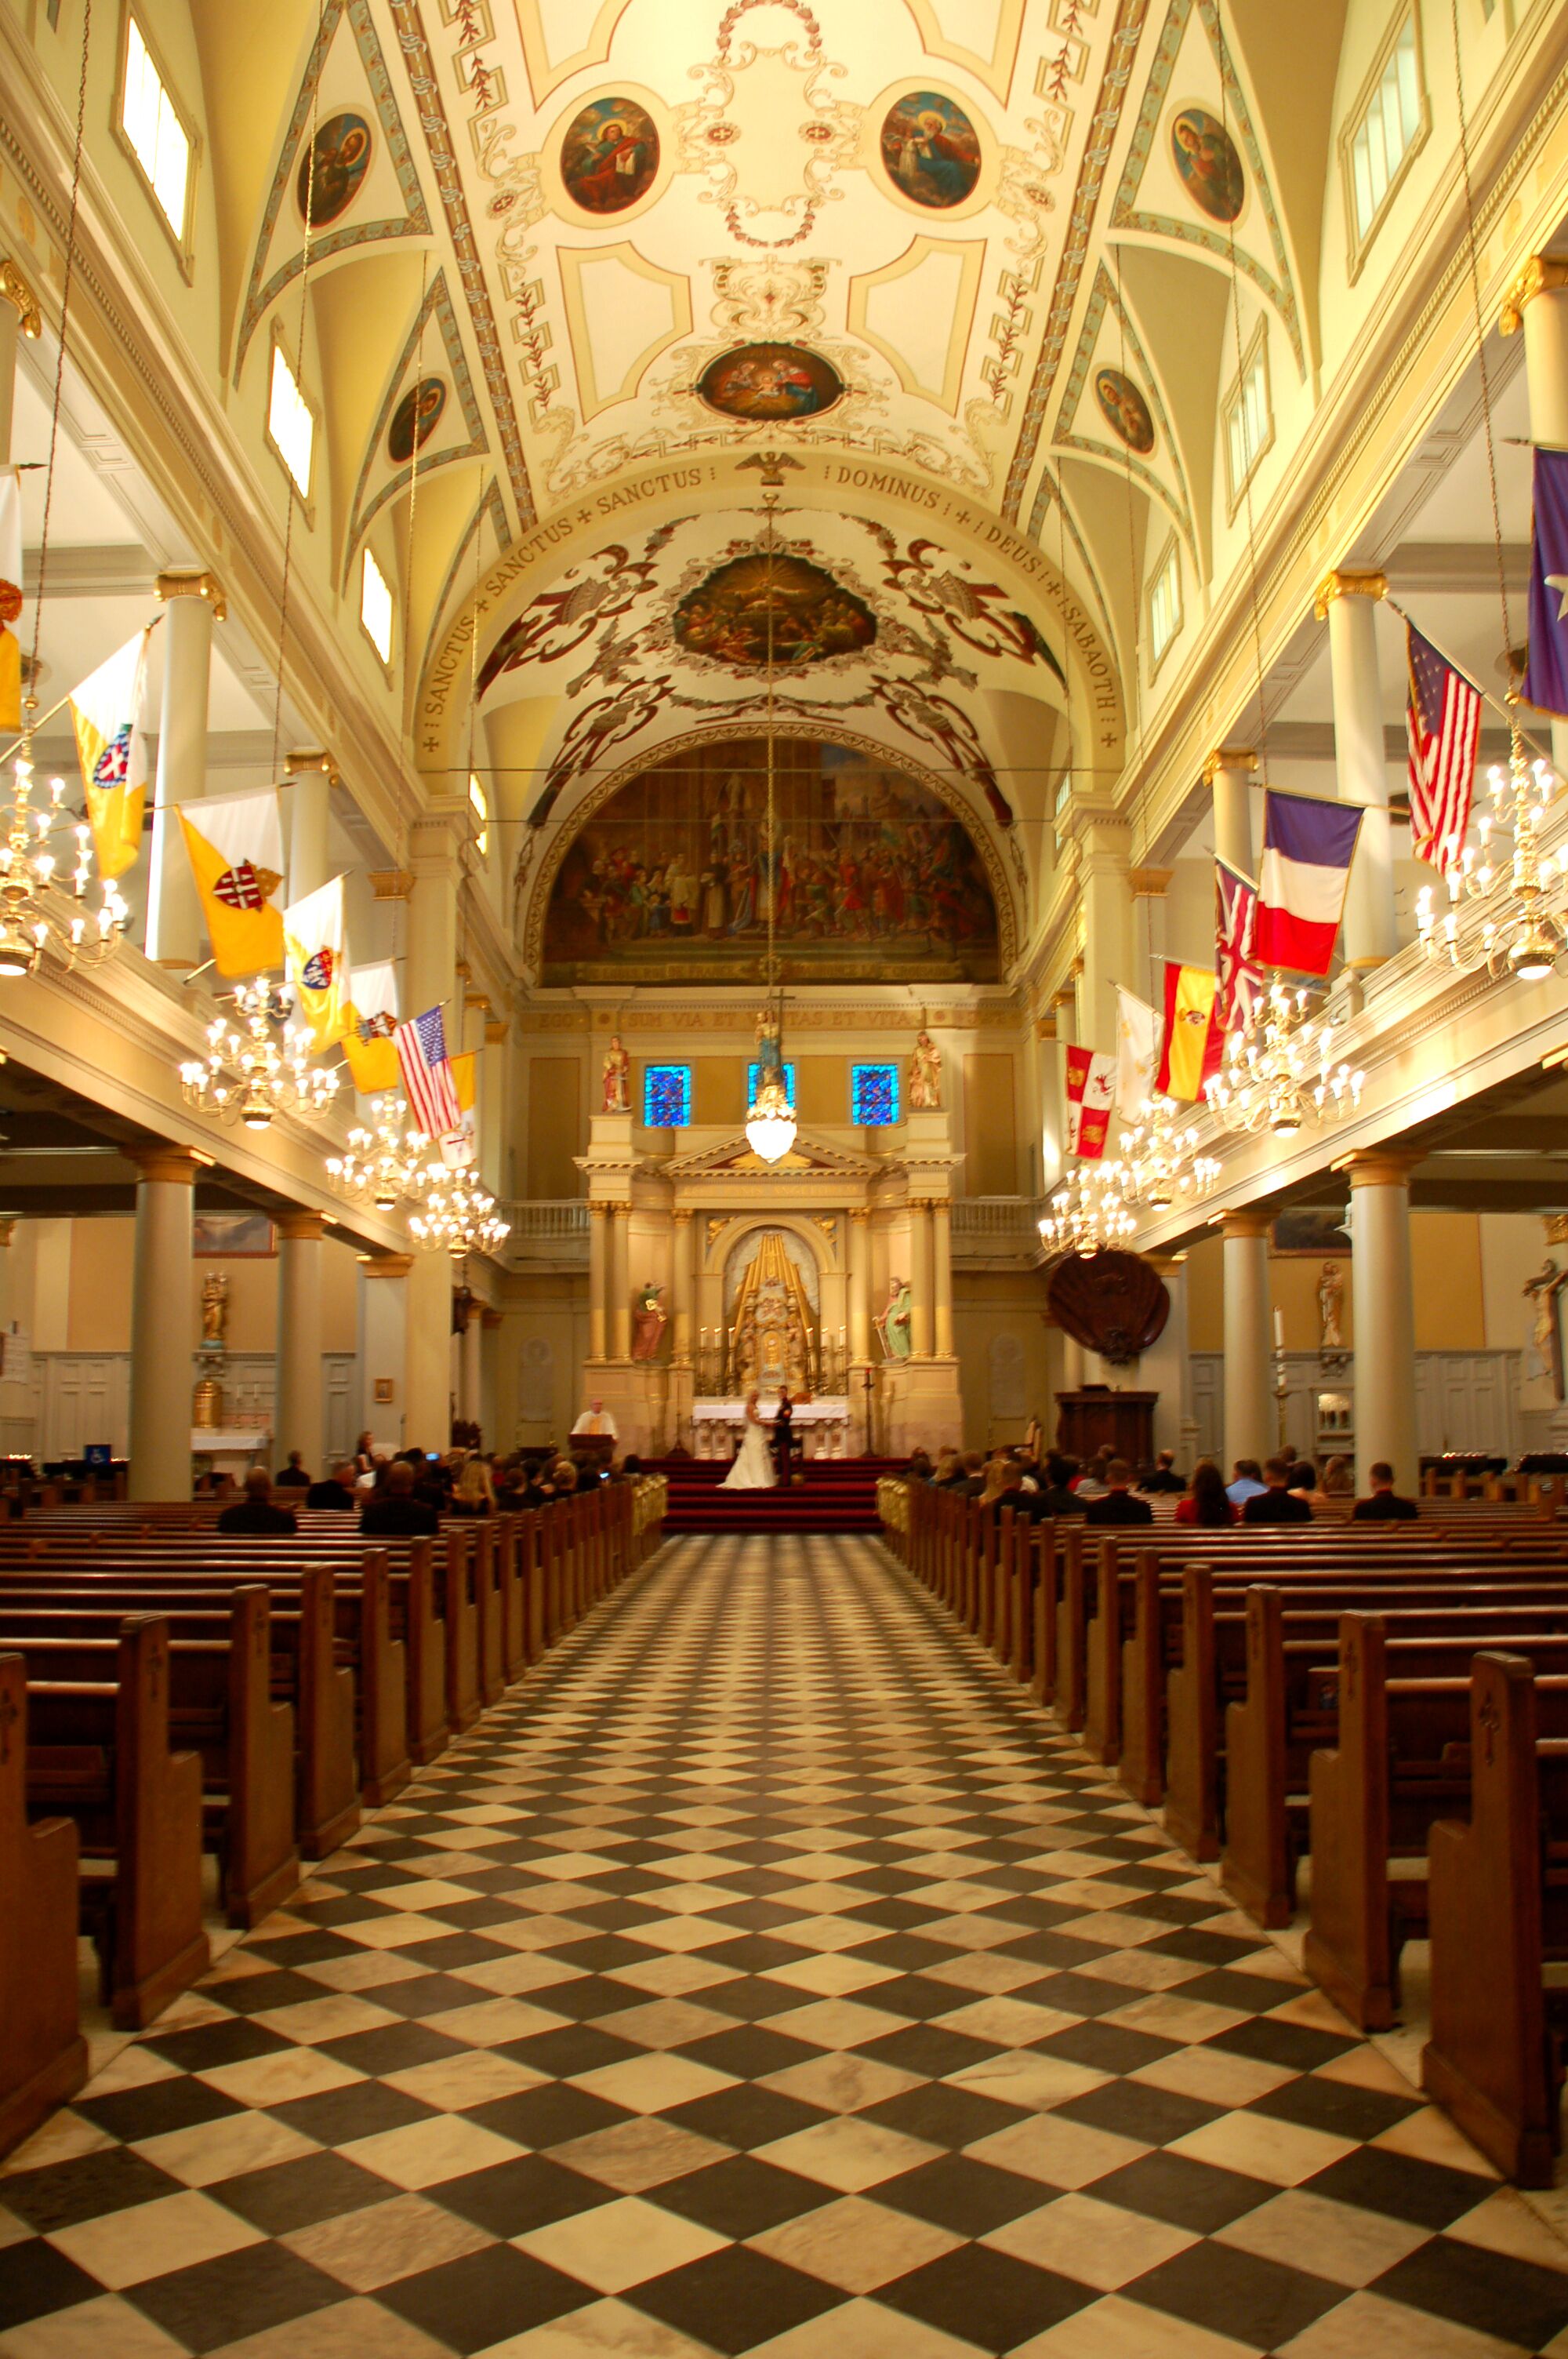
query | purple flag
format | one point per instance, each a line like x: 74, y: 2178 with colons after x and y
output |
x: 1546, y: 674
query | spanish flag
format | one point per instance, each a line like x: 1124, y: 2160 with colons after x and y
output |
x: 235, y: 843
x: 369, y: 1021
x: 106, y: 712
x: 10, y: 598
x: 315, y: 945
x: 1194, y: 1042
x: 460, y: 1147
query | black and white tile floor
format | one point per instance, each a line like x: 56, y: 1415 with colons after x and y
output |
x: 765, y: 1977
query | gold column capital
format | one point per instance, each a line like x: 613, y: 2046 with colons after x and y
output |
x: 859, y: 1214
x: 305, y: 759
x: 1229, y: 758
x: 385, y: 1265
x: 598, y: 1212
x: 1543, y: 273
x: 191, y: 582
x: 298, y: 1226
x: 496, y: 1028
x: 1253, y: 1221
x: 682, y: 1216
x: 7, y: 1230
x: 392, y: 884
x: 1341, y: 584
x: 182, y: 1166
x: 1150, y: 884
x: 489, y: 1319
x: 1381, y: 1166
x: 16, y: 290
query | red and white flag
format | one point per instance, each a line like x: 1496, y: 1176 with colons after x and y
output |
x: 1091, y: 1093
x: 1443, y: 722
x: 1305, y: 876
x: 1240, y: 976
x: 427, y: 1081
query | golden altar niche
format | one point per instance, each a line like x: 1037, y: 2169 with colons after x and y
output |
x: 771, y: 1334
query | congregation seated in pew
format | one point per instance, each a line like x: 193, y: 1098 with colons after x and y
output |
x: 256, y: 1511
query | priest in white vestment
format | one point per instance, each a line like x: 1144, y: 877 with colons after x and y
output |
x: 596, y: 1418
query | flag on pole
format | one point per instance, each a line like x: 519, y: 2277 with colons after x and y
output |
x: 10, y: 598
x: 1308, y: 845
x: 1241, y: 978
x: 369, y: 1029
x: 1443, y: 721
x: 316, y: 945
x: 461, y: 1145
x: 1091, y: 1092
x: 1546, y: 673
x: 1193, y: 1041
x: 1137, y: 1053
x: 106, y: 712
x: 236, y: 844
x: 427, y: 1072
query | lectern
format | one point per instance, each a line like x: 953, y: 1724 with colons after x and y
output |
x: 1087, y: 1420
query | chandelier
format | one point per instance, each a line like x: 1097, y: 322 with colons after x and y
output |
x: 40, y: 908
x: 1497, y: 915
x: 1160, y: 1162
x: 1089, y: 1212
x: 1280, y: 1075
x: 259, y: 1066
x: 385, y: 1165
x: 769, y: 1118
x: 457, y: 1214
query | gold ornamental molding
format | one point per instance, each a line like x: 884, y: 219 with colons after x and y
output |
x: 1229, y: 758
x: 1543, y: 273
x: 307, y: 760
x: 180, y: 1166
x: 15, y: 290
x: 1381, y: 1166
x: 392, y: 884
x: 1340, y: 584
x: 193, y: 585
x: 1150, y: 884
x: 385, y: 1265
x: 1250, y: 1223
x: 495, y: 1031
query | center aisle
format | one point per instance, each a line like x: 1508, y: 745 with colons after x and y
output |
x: 764, y: 1976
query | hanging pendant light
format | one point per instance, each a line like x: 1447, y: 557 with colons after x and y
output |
x: 770, y: 1119
x: 1088, y: 1214
x: 1160, y: 1161
x: 1508, y: 906
x: 1280, y: 1076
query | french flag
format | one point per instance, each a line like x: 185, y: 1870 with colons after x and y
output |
x: 1308, y: 846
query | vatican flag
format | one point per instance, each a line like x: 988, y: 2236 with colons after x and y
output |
x: 107, y: 710
x: 235, y: 843
x: 10, y: 598
x: 370, y: 1020
x: 315, y: 946
x: 461, y: 1147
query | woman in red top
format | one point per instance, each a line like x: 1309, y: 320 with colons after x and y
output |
x: 1206, y: 1502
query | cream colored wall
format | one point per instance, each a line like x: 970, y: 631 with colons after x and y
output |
x: 1513, y: 1250
x: 987, y: 1304
x: 1456, y: 1279
x: 556, y: 1309
x: 69, y: 1286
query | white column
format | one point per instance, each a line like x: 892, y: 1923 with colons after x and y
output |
x: 1166, y: 1367
x: 1383, y: 1300
x: 920, y: 1288
x: 429, y: 977
x: 680, y: 1342
x: 310, y: 821
x: 297, y: 1418
x: 1539, y: 302
x: 192, y: 603
x: 1110, y: 956
x: 19, y: 315
x: 1229, y: 771
x: 597, y: 1278
x: 473, y: 1364
x: 620, y: 1282
x: 1350, y: 601
x: 1250, y: 1417
x: 942, y: 1274
x: 382, y: 1339
x: 161, y: 1324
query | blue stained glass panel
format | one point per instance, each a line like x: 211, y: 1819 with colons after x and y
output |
x: 666, y: 1097
x: 873, y: 1097
x: 754, y: 1072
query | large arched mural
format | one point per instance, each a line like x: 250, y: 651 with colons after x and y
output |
x: 873, y: 877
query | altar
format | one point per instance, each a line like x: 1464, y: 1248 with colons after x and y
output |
x: 823, y: 1426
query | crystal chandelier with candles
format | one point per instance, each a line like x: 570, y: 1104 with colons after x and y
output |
x: 1160, y: 1161
x: 1500, y: 914
x: 43, y: 906
x: 385, y: 1164
x: 1089, y: 1212
x: 1280, y: 1075
x: 257, y: 1065
x: 457, y: 1215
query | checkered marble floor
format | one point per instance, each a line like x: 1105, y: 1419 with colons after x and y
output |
x: 763, y: 1975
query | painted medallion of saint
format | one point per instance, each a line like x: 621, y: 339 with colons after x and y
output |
x: 1126, y: 411
x: 771, y: 382
x: 610, y: 154
x: 931, y: 149
x: 1210, y: 168
x: 332, y: 168
x: 414, y: 419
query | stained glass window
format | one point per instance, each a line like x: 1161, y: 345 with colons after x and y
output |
x: 666, y: 1097
x: 873, y: 1097
x: 753, y: 1074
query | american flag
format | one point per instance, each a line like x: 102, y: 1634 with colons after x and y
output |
x: 1443, y: 718
x: 1241, y: 978
x: 428, y: 1083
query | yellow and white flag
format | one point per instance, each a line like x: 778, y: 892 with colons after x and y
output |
x: 10, y: 598
x: 461, y: 1147
x: 371, y: 1019
x: 316, y: 944
x: 235, y: 843
x: 106, y: 709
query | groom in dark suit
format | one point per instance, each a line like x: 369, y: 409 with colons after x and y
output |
x: 783, y: 1419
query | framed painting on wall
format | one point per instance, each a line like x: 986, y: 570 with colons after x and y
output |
x: 1311, y: 1230
x: 233, y: 1236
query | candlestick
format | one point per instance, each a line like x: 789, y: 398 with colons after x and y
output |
x: 1279, y: 1330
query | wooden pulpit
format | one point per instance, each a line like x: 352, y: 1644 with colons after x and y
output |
x: 1093, y: 1415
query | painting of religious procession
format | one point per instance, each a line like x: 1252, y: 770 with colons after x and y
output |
x: 414, y: 419
x: 931, y: 149
x: 1126, y: 411
x: 1210, y: 168
x: 610, y: 155
x: 872, y: 878
x: 731, y: 616
x: 331, y: 169
x: 771, y: 382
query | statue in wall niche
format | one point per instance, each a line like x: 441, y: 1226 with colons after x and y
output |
x: 617, y: 1071
x: 891, y: 1321
x: 214, y: 1310
x: 925, y: 1074
x: 649, y: 1321
x: 1330, y: 1305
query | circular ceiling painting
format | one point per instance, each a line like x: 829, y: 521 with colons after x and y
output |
x: 727, y: 617
x: 331, y: 168
x: 770, y: 382
x: 931, y: 149
x: 1127, y: 412
x: 407, y: 433
x: 1210, y: 168
x: 610, y: 154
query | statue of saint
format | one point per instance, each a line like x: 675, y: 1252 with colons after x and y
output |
x: 1330, y: 1303
x: 617, y: 1071
x: 770, y: 1061
x: 1546, y: 1333
x: 649, y: 1322
x: 214, y: 1309
x: 891, y: 1321
x: 925, y: 1074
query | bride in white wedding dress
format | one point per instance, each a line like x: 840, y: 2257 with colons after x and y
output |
x: 754, y: 1467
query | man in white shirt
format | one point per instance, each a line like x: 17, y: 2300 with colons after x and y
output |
x: 596, y: 1418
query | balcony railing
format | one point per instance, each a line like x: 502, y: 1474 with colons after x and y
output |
x: 984, y: 1226
x: 546, y: 1220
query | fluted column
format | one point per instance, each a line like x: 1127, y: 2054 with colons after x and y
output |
x: 682, y: 1292
x: 620, y: 1282
x: 597, y: 1278
x: 1349, y: 601
x: 1249, y: 1418
x: 1383, y: 1298
x: 1229, y: 771
x: 920, y: 1288
x: 297, y: 1422
x: 860, y: 1284
x: 192, y: 603
x: 19, y: 316
x: 942, y: 1274
x: 160, y: 1325
x: 1537, y: 302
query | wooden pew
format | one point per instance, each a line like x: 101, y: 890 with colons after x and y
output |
x: 43, y: 2056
